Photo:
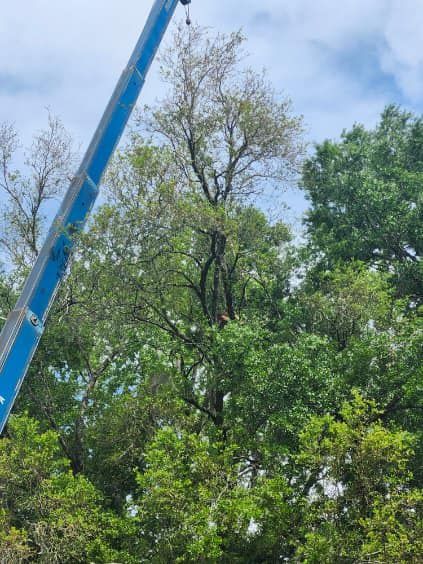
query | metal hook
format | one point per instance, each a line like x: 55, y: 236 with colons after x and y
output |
x: 186, y: 3
x: 188, y: 20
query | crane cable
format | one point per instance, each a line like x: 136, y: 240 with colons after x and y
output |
x: 188, y: 14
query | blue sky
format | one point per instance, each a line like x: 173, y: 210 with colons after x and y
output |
x: 340, y: 61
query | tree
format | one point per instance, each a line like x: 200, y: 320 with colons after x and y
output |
x: 347, y: 302
x: 47, y: 513
x: 362, y: 474
x: 204, y: 245
x: 227, y: 129
x: 49, y: 163
x: 365, y: 194
x: 203, y: 392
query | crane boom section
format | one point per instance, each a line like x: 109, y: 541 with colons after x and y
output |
x: 24, y: 327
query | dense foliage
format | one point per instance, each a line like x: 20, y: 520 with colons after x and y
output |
x: 206, y: 390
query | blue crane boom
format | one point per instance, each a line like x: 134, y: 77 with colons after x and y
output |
x: 24, y: 327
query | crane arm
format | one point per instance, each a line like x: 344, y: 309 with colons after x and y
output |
x: 24, y: 327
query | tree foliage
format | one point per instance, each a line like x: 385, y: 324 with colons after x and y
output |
x: 207, y: 390
x: 366, y: 198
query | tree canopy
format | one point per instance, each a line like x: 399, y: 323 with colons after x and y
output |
x: 208, y: 389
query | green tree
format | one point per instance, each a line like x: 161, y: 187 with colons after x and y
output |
x: 359, y: 471
x: 171, y: 259
x: 191, y: 397
x: 366, y: 198
x: 47, y: 513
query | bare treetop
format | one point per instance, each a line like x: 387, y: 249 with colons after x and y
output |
x: 49, y: 163
x: 230, y: 132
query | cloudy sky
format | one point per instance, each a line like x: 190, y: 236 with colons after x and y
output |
x: 340, y: 61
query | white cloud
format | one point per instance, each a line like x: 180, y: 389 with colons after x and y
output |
x: 75, y: 49
x: 293, y: 40
x: 403, y: 56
